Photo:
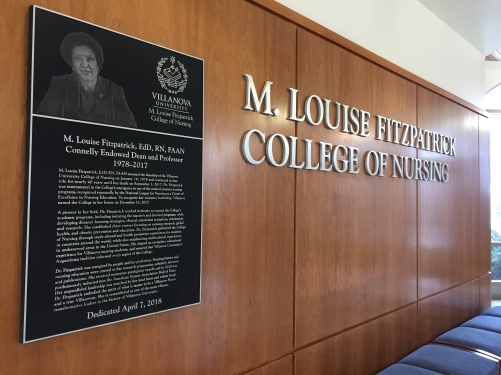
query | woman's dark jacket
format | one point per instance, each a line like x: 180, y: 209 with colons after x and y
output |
x: 63, y: 100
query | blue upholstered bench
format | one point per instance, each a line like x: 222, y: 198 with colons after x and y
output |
x: 447, y: 360
x: 475, y: 339
x: 485, y: 322
x: 472, y: 349
x: 494, y: 311
x: 400, y: 369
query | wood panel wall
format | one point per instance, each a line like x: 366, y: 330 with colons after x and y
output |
x: 304, y: 272
x: 356, y: 234
x: 447, y: 310
x: 448, y: 212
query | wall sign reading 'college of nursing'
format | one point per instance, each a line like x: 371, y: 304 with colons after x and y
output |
x: 113, y: 208
x: 337, y: 157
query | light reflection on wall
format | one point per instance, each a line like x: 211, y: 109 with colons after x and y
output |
x: 495, y: 129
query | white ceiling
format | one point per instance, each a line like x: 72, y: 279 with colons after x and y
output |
x: 477, y: 21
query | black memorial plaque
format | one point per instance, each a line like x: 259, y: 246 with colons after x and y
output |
x: 113, y: 208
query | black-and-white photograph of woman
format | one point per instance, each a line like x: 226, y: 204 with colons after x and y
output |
x: 85, y: 95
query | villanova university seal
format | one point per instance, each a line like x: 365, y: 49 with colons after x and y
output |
x: 174, y: 78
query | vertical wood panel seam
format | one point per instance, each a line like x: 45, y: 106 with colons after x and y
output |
x: 478, y: 213
x: 295, y: 223
x: 417, y: 227
x: 479, y: 221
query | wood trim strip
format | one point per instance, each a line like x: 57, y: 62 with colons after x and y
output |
x: 301, y: 21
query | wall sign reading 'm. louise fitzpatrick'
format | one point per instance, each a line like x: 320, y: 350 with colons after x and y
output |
x: 337, y: 157
x: 113, y: 178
